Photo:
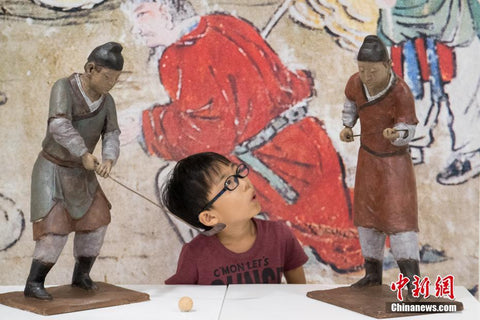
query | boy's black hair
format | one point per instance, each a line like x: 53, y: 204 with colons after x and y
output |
x: 108, y: 55
x: 373, y: 50
x: 185, y: 192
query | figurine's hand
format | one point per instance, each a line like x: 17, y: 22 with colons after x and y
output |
x: 89, y: 161
x: 346, y: 135
x: 390, y: 134
x: 104, y: 169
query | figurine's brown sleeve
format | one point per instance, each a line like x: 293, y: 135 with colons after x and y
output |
x: 352, y: 88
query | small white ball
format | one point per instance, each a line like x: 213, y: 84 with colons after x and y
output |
x: 185, y: 304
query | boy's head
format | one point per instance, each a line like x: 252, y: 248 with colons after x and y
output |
x: 203, y: 178
x: 103, y: 67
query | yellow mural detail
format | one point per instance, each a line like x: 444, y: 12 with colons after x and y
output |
x: 349, y: 21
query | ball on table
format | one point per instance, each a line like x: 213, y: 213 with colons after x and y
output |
x: 185, y: 304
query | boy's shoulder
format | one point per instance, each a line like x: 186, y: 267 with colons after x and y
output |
x: 200, y: 242
x: 270, y: 227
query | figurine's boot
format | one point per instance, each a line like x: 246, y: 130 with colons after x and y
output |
x: 81, y: 273
x: 373, y: 274
x: 36, y: 280
x: 409, y: 268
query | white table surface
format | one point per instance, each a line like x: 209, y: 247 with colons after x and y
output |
x: 279, y: 302
x: 242, y: 302
x: 163, y: 305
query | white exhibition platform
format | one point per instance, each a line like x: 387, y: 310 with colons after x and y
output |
x: 242, y: 302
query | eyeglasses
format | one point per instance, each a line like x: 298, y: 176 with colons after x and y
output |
x: 231, y: 183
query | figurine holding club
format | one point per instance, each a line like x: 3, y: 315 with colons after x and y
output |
x: 385, y: 197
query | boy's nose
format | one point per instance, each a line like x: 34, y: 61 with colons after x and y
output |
x: 246, y: 183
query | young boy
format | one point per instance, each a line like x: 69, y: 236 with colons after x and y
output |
x: 65, y: 194
x: 209, y: 192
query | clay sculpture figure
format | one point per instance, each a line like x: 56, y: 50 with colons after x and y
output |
x: 385, y: 197
x: 65, y: 194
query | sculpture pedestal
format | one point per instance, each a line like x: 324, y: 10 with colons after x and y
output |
x: 70, y: 299
x: 372, y: 301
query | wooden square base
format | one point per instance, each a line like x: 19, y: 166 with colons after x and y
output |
x: 371, y: 301
x: 70, y: 299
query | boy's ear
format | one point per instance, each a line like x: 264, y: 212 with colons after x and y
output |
x: 208, y: 218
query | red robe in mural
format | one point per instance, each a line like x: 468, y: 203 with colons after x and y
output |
x: 231, y: 94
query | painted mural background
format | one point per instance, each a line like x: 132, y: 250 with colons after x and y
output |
x: 42, y: 41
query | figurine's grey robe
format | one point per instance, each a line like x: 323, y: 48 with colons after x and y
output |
x: 58, y: 175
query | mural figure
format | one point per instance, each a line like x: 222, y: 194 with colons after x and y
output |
x: 12, y: 223
x: 385, y: 190
x: 432, y: 43
x: 347, y: 21
x: 230, y: 93
x: 59, y: 12
x: 65, y: 195
x: 3, y: 98
x: 66, y: 5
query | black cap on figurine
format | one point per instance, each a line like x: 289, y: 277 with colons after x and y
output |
x: 373, y: 50
x: 108, y: 55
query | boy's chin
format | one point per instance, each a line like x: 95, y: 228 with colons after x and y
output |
x: 257, y: 213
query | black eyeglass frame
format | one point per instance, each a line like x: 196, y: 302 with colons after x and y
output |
x: 241, y: 167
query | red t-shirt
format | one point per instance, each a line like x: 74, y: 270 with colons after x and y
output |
x: 205, y: 261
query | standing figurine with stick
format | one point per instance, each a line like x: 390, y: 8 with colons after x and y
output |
x: 65, y: 194
x: 385, y: 197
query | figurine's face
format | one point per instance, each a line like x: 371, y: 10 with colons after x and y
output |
x: 375, y: 75
x: 153, y: 23
x: 103, y: 79
x: 238, y: 205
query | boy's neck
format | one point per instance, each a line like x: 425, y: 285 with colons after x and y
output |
x: 239, y: 238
